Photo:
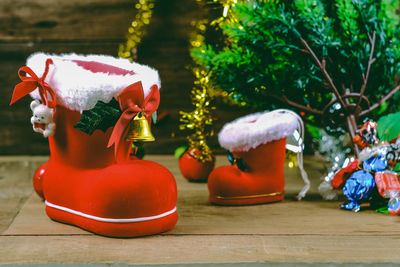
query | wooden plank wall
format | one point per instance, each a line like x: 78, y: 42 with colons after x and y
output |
x: 96, y: 26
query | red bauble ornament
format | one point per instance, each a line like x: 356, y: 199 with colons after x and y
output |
x: 194, y: 170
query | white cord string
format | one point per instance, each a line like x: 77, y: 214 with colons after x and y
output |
x: 110, y: 220
x: 299, y: 151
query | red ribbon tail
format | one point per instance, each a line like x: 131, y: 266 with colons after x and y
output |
x: 118, y: 134
x: 53, y: 102
x: 22, y: 89
x: 122, y: 149
x: 114, y: 137
x: 152, y: 101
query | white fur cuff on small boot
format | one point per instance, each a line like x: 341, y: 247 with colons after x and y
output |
x: 255, y: 129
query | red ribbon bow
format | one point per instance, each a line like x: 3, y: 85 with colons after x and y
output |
x: 29, y: 84
x: 132, y: 101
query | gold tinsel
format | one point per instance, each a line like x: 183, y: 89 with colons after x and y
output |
x: 137, y: 29
x: 200, y: 120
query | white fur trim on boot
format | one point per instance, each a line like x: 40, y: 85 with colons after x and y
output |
x: 255, y: 129
x: 79, y: 89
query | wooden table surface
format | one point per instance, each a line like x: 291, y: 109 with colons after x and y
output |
x: 305, y: 231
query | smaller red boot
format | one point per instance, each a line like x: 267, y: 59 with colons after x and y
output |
x: 257, y: 143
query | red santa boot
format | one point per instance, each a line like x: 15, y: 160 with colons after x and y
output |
x: 89, y: 180
x: 257, y: 144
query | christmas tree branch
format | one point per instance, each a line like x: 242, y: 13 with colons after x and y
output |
x: 294, y: 104
x: 321, y: 65
x: 380, y: 101
x: 346, y: 97
x: 370, y: 62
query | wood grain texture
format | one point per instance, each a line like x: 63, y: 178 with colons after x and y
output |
x: 308, y: 231
x: 15, y: 185
x: 41, y: 20
x: 193, y: 249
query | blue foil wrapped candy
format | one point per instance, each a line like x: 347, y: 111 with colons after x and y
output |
x: 394, y: 206
x: 357, y: 188
x: 375, y: 163
x: 394, y: 202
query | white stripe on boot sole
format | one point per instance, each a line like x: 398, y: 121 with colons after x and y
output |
x: 110, y: 220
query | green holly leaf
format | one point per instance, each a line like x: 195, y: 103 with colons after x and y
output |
x: 388, y: 127
x: 101, y: 117
x: 383, y: 210
x: 180, y: 151
x: 397, y: 168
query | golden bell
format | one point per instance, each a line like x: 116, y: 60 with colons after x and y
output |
x: 139, y: 130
